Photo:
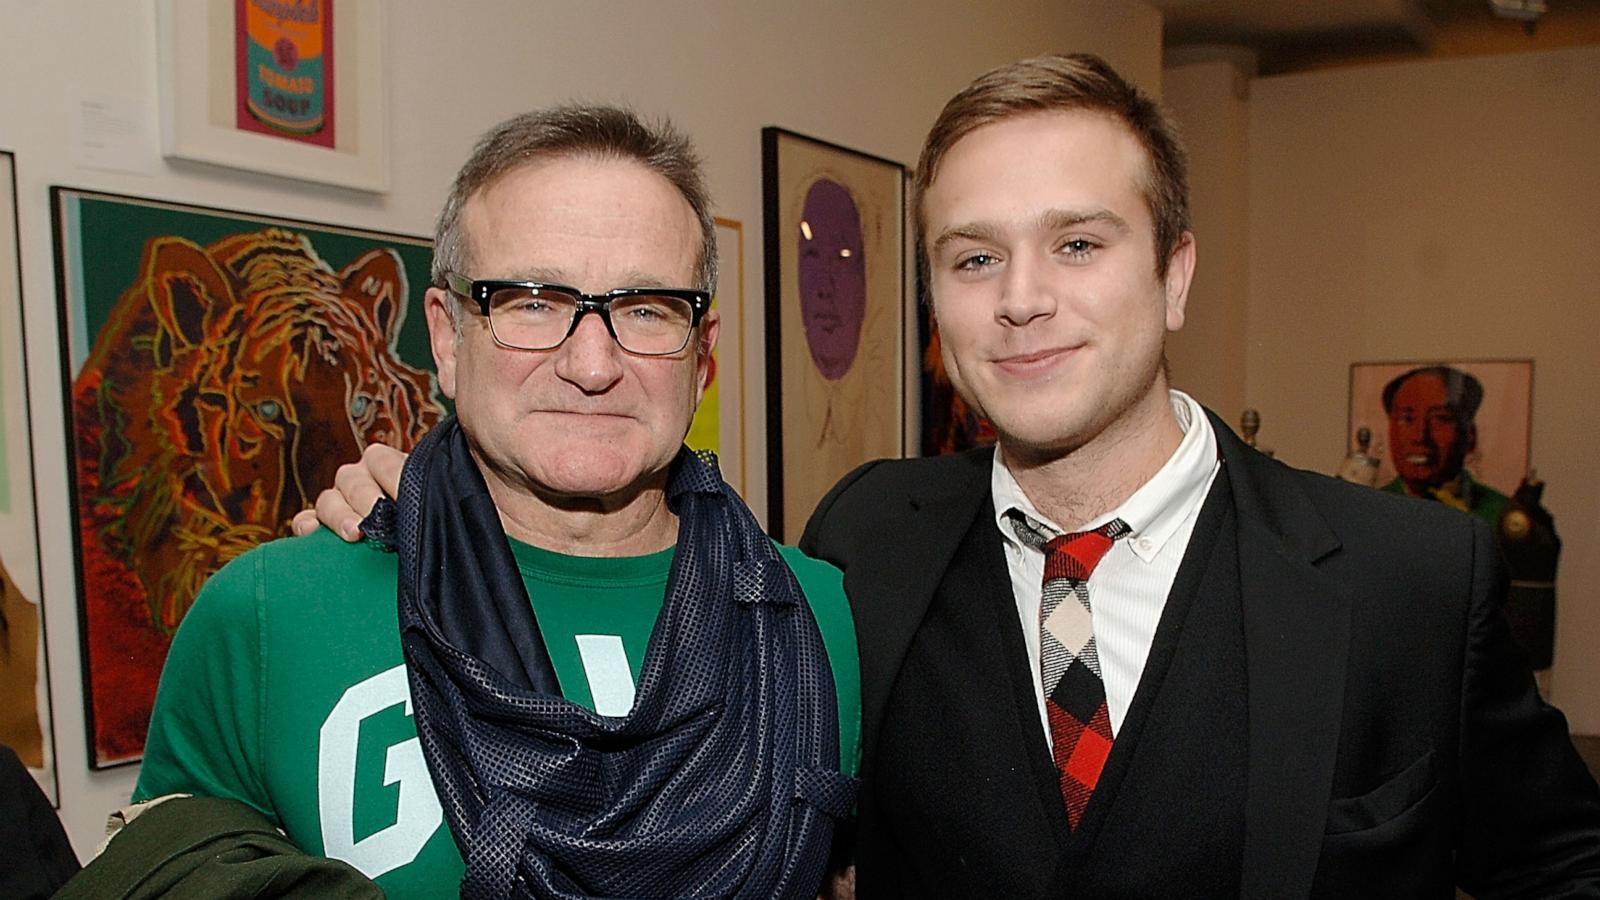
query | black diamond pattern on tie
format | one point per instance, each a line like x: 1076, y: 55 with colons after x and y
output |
x: 1069, y: 661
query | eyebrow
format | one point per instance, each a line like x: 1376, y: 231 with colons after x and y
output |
x: 979, y: 232
x: 536, y: 273
x: 1049, y: 220
x: 1057, y: 219
x: 637, y: 278
x: 633, y: 278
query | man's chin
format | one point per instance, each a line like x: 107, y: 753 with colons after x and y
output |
x: 598, y: 475
x: 1035, y: 442
x: 1029, y: 433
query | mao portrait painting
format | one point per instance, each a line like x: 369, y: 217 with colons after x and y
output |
x: 1459, y: 433
x: 221, y: 367
x: 1454, y: 432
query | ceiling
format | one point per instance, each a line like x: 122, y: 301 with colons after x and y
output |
x: 1294, y: 35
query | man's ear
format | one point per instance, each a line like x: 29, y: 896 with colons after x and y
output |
x: 705, y: 366
x: 1180, y: 271
x: 441, y: 308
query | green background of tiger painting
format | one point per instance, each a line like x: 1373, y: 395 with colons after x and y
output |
x: 103, y: 239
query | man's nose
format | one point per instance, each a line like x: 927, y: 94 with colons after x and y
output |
x: 590, y: 358
x: 1025, y: 293
x: 1418, y: 432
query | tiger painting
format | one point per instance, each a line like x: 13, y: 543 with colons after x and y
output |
x: 224, y: 388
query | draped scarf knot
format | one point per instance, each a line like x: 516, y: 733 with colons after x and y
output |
x: 722, y: 781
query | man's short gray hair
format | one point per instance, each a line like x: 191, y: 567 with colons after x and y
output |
x: 575, y: 130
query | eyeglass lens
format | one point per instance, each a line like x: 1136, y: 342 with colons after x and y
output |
x: 539, y: 319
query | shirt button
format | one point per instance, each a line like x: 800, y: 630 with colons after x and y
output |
x: 1144, y: 544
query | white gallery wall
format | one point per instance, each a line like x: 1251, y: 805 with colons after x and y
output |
x: 1209, y: 98
x: 1441, y: 210
x: 78, y: 106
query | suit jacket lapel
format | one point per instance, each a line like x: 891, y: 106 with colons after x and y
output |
x: 978, y: 585
x: 1297, y: 635
x: 938, y: 516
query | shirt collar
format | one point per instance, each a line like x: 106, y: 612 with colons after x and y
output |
x: 1157, y: 508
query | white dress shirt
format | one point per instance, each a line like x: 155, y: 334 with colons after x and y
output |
x: 1129, y: 588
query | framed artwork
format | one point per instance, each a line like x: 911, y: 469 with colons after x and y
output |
x: 835, y: 318
x: 1455, y: 430
x: 25, y: 717
x: 288, y: 87
x: 221, y: 365
x: 718, y: 424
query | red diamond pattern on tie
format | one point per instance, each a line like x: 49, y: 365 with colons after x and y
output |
x: 1069, y: 662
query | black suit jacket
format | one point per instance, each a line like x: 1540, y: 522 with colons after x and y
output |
x: 1395, y: 744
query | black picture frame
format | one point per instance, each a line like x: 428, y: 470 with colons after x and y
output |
x: 156, y: 289
x: 835, y: 317
x: 22, y: 544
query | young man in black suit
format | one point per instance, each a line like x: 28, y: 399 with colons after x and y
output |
x: 1123, y: 654
x: 1258, y: 691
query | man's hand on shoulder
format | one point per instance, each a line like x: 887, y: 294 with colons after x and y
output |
x: 356, y: 488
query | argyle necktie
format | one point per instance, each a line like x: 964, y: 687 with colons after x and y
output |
x: 1075, y: 695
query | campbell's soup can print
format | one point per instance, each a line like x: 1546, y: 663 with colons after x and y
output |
x: 285, y: 60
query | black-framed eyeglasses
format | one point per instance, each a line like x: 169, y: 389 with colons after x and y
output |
x: 532, y: 315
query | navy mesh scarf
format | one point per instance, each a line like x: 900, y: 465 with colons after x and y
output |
x: 724, y: 779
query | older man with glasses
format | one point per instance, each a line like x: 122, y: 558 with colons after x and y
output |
x: 603, y: 679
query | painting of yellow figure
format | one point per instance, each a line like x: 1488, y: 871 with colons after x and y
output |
x: 718, y: 424
x: 24, y: 682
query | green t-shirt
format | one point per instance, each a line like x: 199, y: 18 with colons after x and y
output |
x: 286, y: 689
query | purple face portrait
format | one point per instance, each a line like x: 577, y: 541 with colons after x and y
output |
x: 833, y: 277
